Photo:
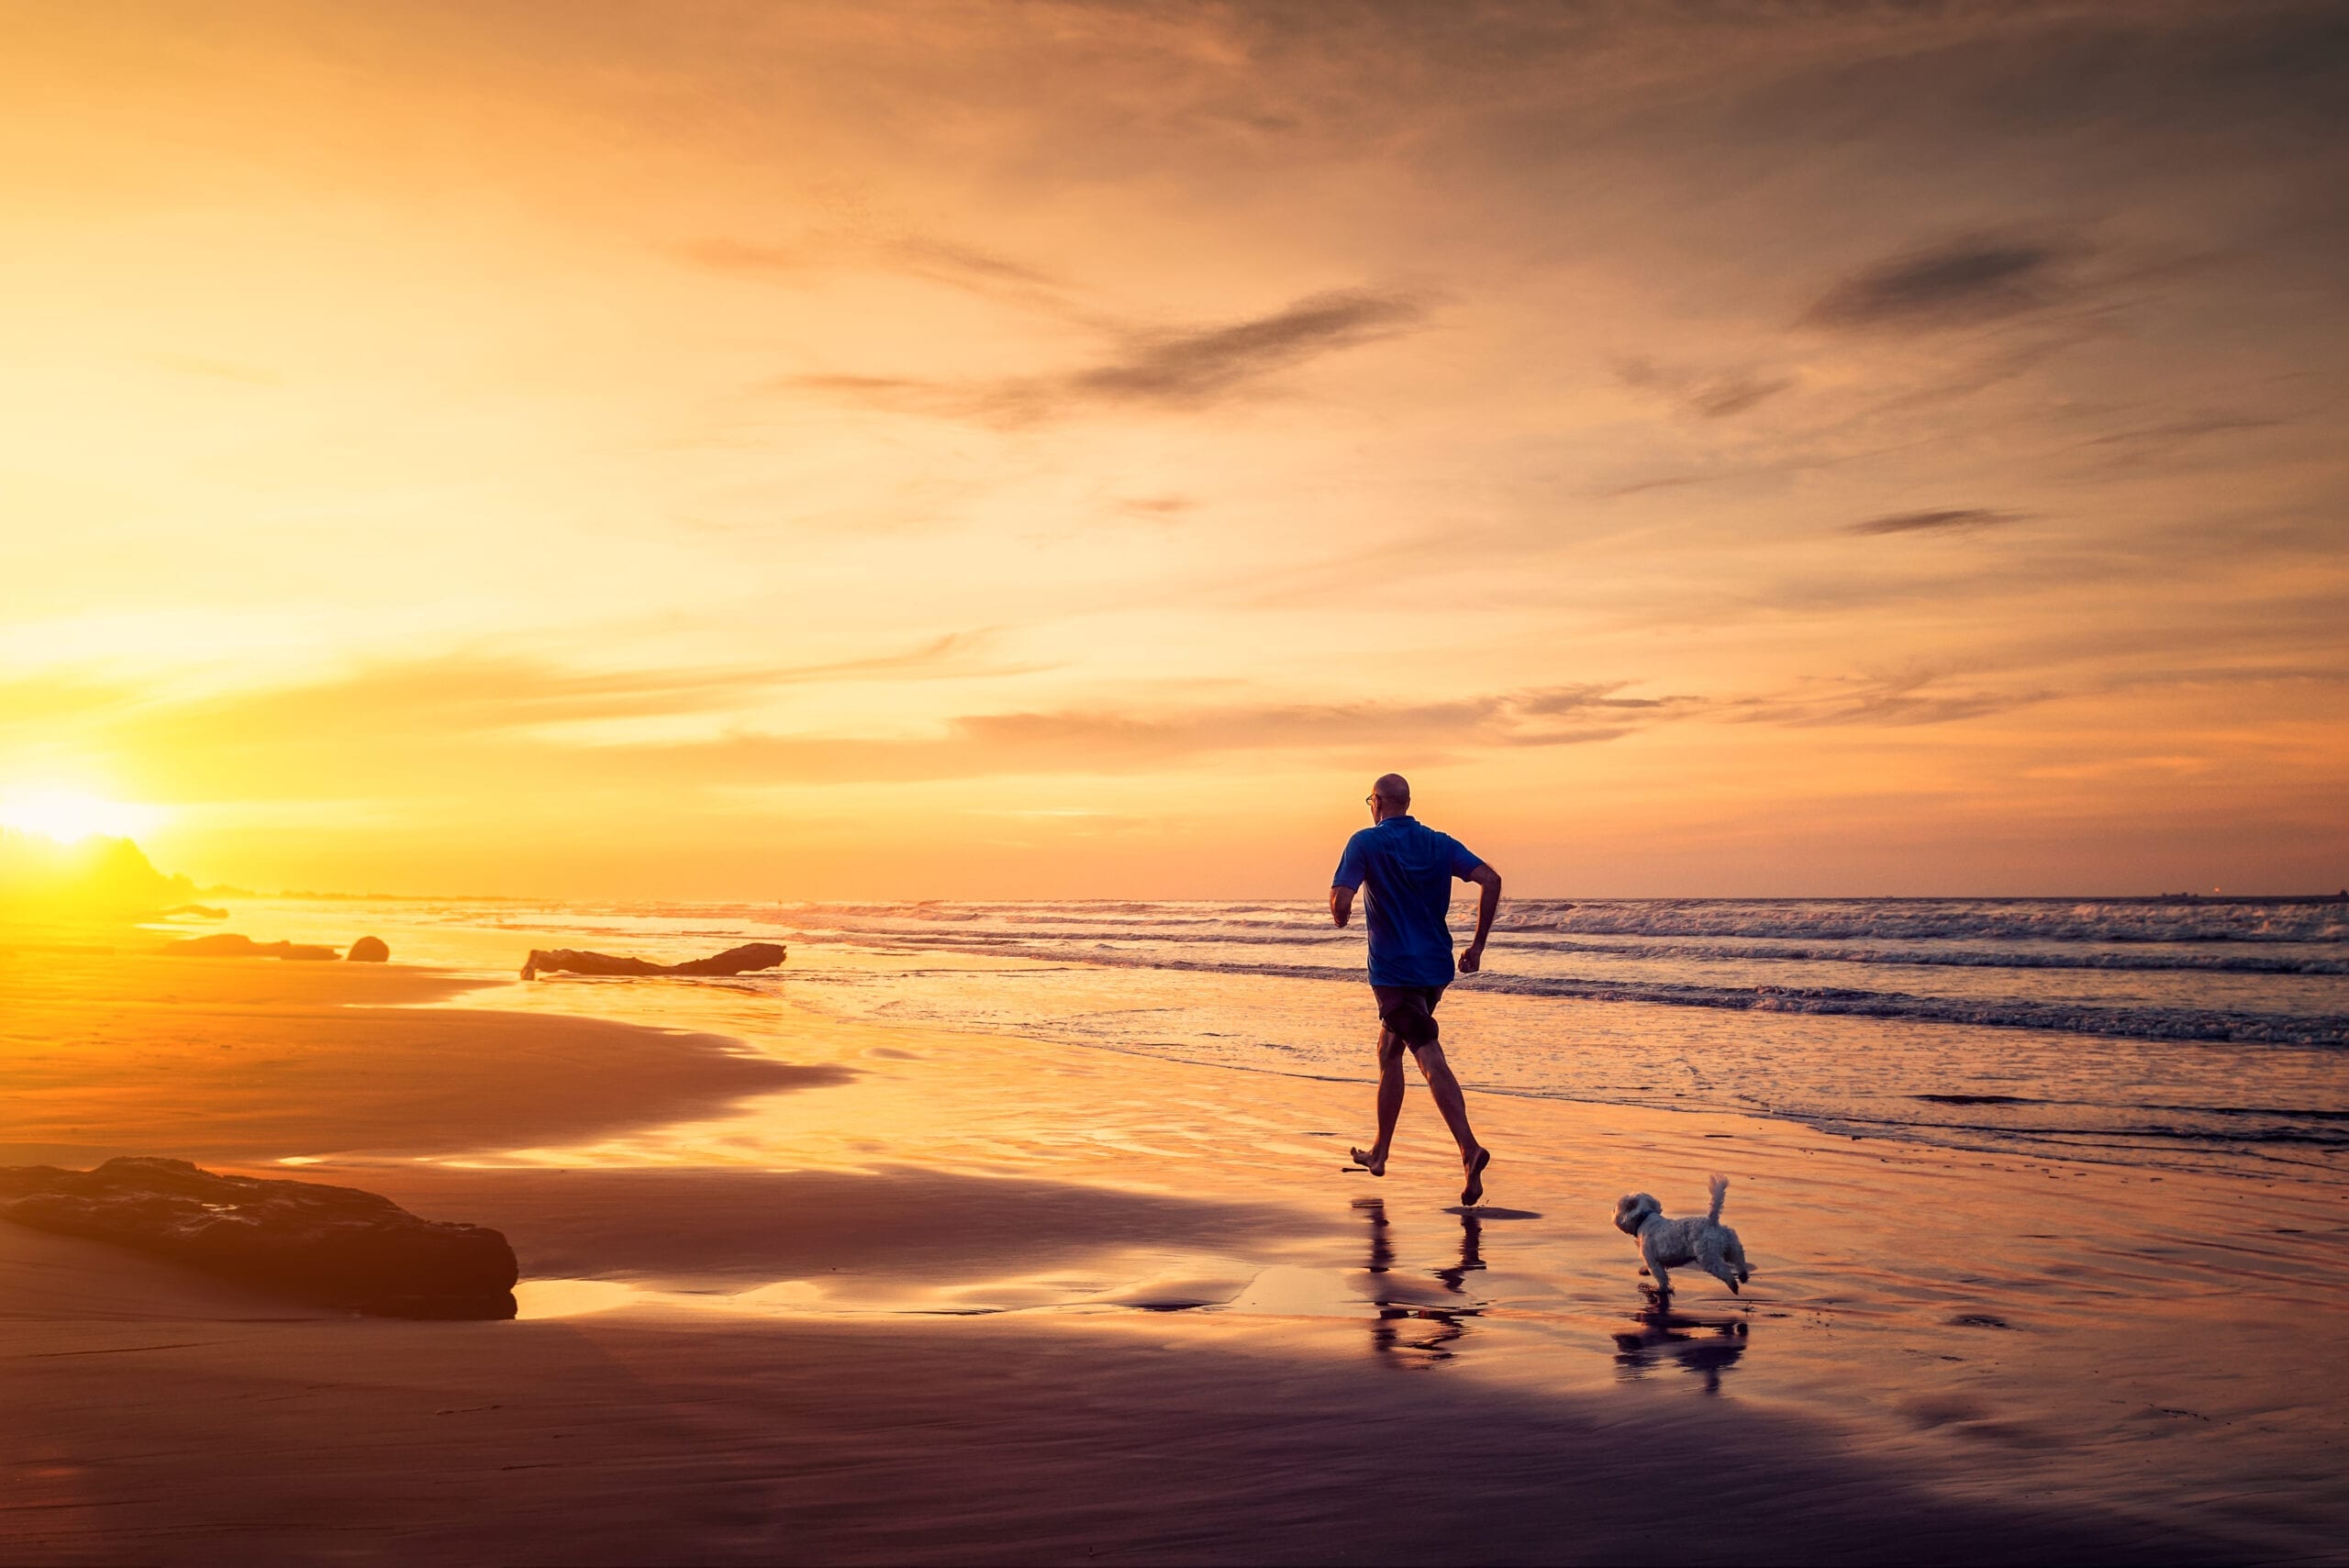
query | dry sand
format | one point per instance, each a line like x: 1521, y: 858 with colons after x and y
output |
x: 803, y: 1291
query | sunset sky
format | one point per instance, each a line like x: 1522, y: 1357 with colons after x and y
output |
x: 837, y: 450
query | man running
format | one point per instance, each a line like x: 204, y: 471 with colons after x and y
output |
x: 1409, y: 869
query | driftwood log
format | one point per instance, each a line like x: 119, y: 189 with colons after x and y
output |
x: 733, y: 960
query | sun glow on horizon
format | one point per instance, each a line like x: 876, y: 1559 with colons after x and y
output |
x: 69, y: 816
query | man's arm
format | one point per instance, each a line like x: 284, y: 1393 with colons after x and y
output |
x: 1488, y: 903
x: 1342, y: 884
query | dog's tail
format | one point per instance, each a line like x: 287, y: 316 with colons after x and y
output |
x: 1719, y: 1186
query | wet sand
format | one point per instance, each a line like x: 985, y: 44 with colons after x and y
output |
x: 260, y: 1059
x: 798, y: 1288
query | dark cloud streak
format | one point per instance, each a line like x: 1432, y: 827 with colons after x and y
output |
x: 2180, y: 430
x: 1180, y: 371
x: 1960, y: 282
x: 1946, y: 520
x: 1188, y: 369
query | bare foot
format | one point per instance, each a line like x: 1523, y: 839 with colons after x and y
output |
x: 1376, y: 1167
x: 1474, y: 1190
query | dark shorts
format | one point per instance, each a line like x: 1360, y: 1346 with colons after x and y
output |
x: 1408, y: 1012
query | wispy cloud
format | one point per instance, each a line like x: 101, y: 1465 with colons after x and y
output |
x: 967, y: 263
x: 1106, y: 740
x: 1182, y: 370
x: 1958, y: 282
x: 477, y: 694
x: 1188, y: 369
x: 1157, y: 509
x: 2177, y: 431
x: 539, y: 728
x: 1942, y: 520
x: 1710, y: 395
x: 1885, y: 702
x: 1112, y: 740
x: 535, y: 726
x: 41, y: 704
x: 953, y: 656
x: 727, y: 255
x: 1800, y: 463
x: 923, y: 255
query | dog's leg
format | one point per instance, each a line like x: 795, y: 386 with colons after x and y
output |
x: 1737, y: 1256
x: 1656, y: 1268
x: 1712, y: 1256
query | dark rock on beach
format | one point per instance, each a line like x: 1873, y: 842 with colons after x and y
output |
x: 330, y: 1246
x: 228, y: 945
x: 369, y: 950
x: 733, y: 960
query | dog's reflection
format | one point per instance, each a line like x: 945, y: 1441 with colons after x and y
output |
x: 1408, y: 1326
x: 1705, y: 1346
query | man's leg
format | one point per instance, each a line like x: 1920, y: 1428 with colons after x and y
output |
x: 1445, y: 1090
x: 1390, y: 1104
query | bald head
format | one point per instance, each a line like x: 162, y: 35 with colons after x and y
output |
x: 1394, y: 790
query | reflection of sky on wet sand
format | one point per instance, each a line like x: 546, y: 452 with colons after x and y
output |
x: 2143, y: 1334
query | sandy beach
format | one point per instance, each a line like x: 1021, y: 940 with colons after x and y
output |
x: 796, y: 1288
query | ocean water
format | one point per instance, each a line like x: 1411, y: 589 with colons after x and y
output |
x: 2212, y: 1033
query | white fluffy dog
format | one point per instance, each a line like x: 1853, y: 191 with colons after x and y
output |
x: 1675, y: 1243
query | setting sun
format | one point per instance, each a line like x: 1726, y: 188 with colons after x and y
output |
x: 69, y: 816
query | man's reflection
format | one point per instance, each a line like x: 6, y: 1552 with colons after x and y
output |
x: 1403, y: 1304
x: 1472, y: 1238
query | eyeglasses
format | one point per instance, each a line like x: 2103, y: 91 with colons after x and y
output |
x: 1371, y: 801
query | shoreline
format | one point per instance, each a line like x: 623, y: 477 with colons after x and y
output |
x: 2012, y: 1086
x: 987, y: 1209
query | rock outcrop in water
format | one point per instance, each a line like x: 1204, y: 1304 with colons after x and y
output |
x: 96, y: 876
x: 369, y: 950
x: 330, y: 1246
x: 733, y: 960
x: 228, y: 945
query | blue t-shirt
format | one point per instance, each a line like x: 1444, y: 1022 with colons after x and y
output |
x: 1410, y: 868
